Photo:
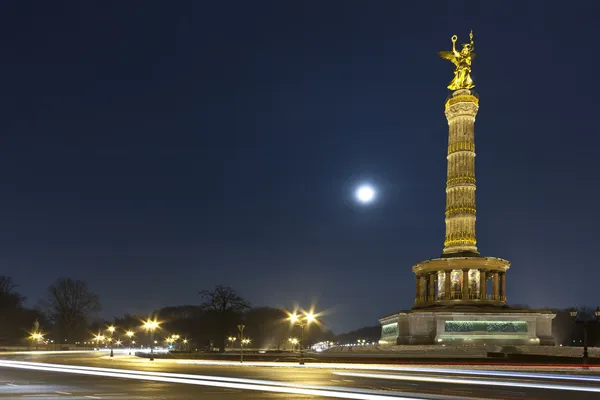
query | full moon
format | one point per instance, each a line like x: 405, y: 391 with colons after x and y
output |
x: 365, y: 194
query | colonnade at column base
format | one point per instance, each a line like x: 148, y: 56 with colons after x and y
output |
x: 462, y: 281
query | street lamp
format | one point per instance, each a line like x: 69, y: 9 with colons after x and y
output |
x: 130, y: 334
x: 174, y: 339
x: 294, y: 342
x: 35, y: 338
x: 185, y: 342
x: 151, y: 326
x: 246, y: 341
x: 111, y: 329
x: 585, y: 322
x: 99, y: 338
x: 302, y: 321
x: 231, y: 340
x: 241, y: 330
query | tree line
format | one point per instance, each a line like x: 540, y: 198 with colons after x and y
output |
x: 68, y: 315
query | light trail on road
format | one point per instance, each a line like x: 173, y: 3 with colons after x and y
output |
x: 463, y: 381
x: 389, y: 368
x: 222, y: 382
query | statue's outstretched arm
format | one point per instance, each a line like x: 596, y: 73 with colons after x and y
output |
x: 454, y: 39
x: 472, y: 42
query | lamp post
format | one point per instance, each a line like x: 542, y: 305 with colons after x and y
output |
x: 35, y: 338
x: 99, y: 338
x: 174, y: 338
x: 302, y: 321
x: 585, y: 322
x: 241, y: 330
x: 185, y: 342
x: 111, y: 329
x: 130, y: 336
x: 294, y: 342
x: 151, y: 326
x: 231, y: 340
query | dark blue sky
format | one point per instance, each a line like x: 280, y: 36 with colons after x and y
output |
x: 155, y: 149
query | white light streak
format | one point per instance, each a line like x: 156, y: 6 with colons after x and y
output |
x: 379, y: 367
x: 421, y: 378
x: 216, y: 380
x: 223, y: 382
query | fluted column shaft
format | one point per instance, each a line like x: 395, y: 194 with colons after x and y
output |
x: 495, y: 288
x: 431, y: 294
x: 461, y: 110
x: 482, y: 284
x: 447, y: 284
x: 465, y: 284
x: 417, y: 288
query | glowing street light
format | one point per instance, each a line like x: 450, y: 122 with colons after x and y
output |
x: 302, y: 321
x: 130, y: 334
x: 111, y: 329
x: 294, y: 342
x: 151, y: 325
x: 36, y: 337
x: 99, y: 338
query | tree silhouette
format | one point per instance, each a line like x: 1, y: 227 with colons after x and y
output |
x: 9, y: 298
x: 224, y: 308
x: 68, y: 305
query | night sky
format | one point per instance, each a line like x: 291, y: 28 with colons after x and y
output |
x: 155, y: 149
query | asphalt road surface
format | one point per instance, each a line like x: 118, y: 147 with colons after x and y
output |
x: 96, y: 376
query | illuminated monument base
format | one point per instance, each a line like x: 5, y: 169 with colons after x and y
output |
x: 454, y: 327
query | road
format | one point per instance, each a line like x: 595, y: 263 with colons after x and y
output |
x: 94, y: 375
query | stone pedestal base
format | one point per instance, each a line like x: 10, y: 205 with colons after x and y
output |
x: 498, y: 327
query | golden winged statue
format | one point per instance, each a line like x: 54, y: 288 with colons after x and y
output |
x: 462, y: 59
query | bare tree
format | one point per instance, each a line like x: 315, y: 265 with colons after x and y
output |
x: 69, y: 304
x: 223, y: 299
x: 9, y: 298
x: 226, y: 306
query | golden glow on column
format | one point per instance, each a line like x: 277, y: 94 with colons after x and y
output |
x: 460, y: 187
